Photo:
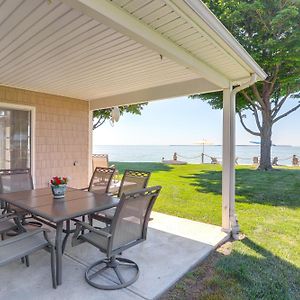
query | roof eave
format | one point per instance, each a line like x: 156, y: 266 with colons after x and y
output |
x: 220, y: 33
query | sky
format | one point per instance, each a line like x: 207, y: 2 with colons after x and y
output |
x: 183, y: 121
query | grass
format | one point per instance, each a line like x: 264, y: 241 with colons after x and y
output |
x: 266, y: 263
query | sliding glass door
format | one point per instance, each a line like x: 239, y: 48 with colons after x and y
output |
x: 15, y: 138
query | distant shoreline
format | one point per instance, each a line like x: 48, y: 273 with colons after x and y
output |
x: 193, y: 145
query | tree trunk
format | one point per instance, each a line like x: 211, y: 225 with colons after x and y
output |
x: 265, y: 144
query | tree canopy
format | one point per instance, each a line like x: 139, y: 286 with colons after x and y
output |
x: 269, y: 30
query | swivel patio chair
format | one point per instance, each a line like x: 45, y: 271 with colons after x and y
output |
x: 16, y: 181
x: 132, y: 180
x: 128, y: 228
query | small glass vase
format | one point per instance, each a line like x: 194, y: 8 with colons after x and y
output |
x: 58, y: 191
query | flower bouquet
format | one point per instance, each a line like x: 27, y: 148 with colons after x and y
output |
x: 59, y: 186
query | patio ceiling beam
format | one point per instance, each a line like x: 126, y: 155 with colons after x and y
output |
x: 155, y: 93
x: 106, y: 12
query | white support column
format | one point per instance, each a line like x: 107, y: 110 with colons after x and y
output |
x: 228, y: 174
x: 90, y: 145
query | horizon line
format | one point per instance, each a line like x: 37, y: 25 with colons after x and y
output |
x: 195, y: 145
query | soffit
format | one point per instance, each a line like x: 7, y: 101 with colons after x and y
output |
x: 50, y: 47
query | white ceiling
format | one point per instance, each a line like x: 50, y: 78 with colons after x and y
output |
x: 51, y: 47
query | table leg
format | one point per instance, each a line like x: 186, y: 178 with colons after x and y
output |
x: 59, y: 252
x: 68, y: 228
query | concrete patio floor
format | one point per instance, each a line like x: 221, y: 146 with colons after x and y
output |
x: 174, y: 246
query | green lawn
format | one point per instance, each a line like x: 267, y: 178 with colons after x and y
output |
x: 265, y: 264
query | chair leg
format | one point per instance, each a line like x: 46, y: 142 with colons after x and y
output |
x: 83, y: 220
x: 90, y: 220
x: 53, y: 267
x: 27, y: 261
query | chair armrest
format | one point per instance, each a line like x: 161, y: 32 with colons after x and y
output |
x: 93, y: 229
x: 8, y: 216
x: 23, y: 236
x: 15, y: 217
x: 76, y: 240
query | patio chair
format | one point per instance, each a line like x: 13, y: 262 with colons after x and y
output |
x: 132, y: 180
x: 129, y: 228
x: 101, y: 180
x: 24, y: 244
x: 99, y: 183
x: 101, y: 160
x: 15, y: 181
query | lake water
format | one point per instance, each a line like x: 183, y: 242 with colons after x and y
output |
x: 190, y: 153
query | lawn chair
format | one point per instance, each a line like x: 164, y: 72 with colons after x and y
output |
x: 132, y: 180
x: 214, y: 160
x: 16, y: 181
x: 275, y: 161
x: 128, y: 228
x: 255, y: 160
x: 295, y: 161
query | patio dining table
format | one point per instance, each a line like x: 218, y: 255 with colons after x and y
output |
x: 59, y: 212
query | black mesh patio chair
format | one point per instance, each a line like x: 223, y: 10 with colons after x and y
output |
x: 128, y: 228
x: 132, y: 180
x: 24, y: 244
x: 16, y: 181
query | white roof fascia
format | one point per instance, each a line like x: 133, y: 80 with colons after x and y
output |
x: 217, y: 31
x: 111, y: 15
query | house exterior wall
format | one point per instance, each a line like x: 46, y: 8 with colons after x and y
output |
x: 61, y: 135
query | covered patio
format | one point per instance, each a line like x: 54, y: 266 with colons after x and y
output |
x: 173, y: 247
x: 60, y: 60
